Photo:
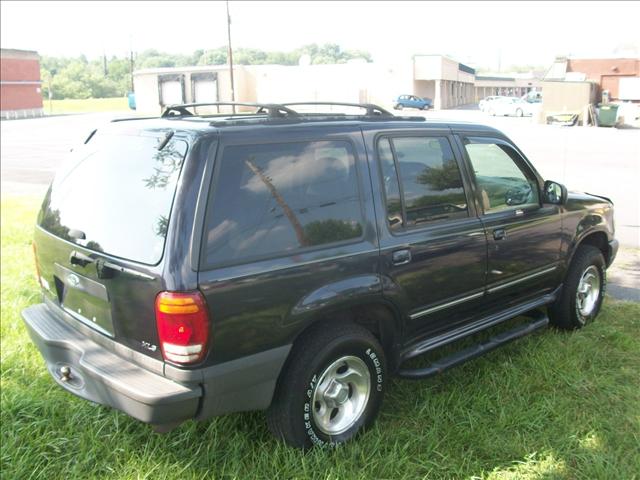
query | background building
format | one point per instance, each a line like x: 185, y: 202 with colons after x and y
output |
x: 447, y: 82
x: 20, y: 94
x: 505, y: 85
x: 620, y: 77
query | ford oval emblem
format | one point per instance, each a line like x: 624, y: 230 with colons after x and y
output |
x: 73, y: 280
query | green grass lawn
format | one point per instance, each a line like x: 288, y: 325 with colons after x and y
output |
x: 554, y: 405
x: 89, y: 105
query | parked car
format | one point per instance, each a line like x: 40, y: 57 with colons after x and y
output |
x: 509, y: 106
x: 532, y: 97
x: 412, y: 101
x: 482, y: 105
x: 193, y: 266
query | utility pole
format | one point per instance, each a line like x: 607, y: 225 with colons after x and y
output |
x: 230, y: 55
x: 131, y: 60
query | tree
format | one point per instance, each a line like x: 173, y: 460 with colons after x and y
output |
x: 82, y: 78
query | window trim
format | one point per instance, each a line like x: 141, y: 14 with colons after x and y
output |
x: 466, y: 187
x: 521, y: 162
x: 205, y: 267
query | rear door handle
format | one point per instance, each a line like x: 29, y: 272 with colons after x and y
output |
x: 499, y: 234
x: 400, y: 257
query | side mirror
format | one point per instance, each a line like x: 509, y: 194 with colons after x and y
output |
x: 554, y: 193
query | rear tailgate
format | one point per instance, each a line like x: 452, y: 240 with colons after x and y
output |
x: 100, y: 235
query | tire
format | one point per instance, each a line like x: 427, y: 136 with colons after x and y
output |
x: 399, y: 107
x: 587, y: 273
x: 519, y: 112
x: 296, y: 412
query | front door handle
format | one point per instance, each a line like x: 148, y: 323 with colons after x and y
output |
x: 499, y: 234
x: 401, y: 257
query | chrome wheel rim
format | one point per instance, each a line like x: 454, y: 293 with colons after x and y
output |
x: 341, y: 395
x: 588, y: 291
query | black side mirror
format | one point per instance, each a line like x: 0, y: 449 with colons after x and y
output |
x: 554, y: 193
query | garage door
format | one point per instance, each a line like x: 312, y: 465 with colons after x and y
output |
x: 171, y: 89
x: 204, y: 87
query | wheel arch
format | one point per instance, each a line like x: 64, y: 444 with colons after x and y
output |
x: 379, y: 317
x: 597, y: 239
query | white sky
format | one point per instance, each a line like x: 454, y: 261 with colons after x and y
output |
x: 477, y: 33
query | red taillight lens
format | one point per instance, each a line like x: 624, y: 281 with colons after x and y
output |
x: 183, y: 326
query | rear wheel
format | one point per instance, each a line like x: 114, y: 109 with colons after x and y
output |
x: 399, y: 106
x: 583, y: 290
x: 331, y: 388
x: 519, y: 112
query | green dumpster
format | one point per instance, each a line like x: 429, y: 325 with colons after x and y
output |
x: 607, y: 115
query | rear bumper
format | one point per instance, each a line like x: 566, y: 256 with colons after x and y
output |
x: 103, y: 377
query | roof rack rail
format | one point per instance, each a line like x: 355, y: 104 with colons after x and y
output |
x: 271, y: 109
x: 371, y: 109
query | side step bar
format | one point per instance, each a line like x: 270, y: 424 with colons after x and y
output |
x: 540, y: 320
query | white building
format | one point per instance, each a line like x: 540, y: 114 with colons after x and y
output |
x: 442, y: 79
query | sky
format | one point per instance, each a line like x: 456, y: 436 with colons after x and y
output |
x: 485, y: 34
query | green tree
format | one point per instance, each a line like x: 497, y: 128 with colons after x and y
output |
x: 80, y: 77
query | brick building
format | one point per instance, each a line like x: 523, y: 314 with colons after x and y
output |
x: 20, y: 94
x: 607, y: 73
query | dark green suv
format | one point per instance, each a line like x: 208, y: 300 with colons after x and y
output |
x: 195, y: 265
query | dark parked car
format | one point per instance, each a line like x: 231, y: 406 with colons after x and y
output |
x: 412, y: 101
x: 194, y: 266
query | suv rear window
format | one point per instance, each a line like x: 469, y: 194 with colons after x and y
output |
x: 275, y: 199
x: 115, y: 195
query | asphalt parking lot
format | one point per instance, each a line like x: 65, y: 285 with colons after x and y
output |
x: 605, y: 161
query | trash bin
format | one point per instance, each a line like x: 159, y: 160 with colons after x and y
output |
x: 131, y: 97
x: 607, y: 115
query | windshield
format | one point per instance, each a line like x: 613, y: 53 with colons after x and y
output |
x: 114, y: 195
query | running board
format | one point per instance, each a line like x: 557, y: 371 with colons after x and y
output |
x: 467, y: 330
x: 540, y: 320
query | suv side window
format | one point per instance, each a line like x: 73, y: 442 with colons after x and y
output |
x: 502, y: 183
x: 428, y: 179
x: 281, y: 198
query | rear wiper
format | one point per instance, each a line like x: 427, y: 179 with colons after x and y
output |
x: 90, y: 136
x: 165, y: 140
x: 104, y: 268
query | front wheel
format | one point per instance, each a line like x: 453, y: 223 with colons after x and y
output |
x: 399, y: 106
x: 519, y: 112
x: 583, y: 290
x: 331, y: 388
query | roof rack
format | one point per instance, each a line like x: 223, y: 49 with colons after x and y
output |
x: 275, y: 112
x: 371, y: 109
x: 272, y: 110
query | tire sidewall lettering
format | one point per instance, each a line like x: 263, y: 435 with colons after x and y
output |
x: 377, y: 374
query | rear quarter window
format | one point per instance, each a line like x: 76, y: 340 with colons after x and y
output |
x: 277, y: 199
x: 115, y: 195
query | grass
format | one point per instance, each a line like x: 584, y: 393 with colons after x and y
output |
x: 89, y: 105
x: 554, y: 405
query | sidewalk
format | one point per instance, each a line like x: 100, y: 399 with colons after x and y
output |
x: 623, y: 277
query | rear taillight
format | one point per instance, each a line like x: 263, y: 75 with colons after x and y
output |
x: 35, y: 259
x: 183, y: 326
